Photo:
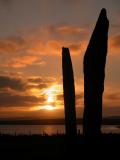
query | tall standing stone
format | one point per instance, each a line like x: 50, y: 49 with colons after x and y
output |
x: 94, y: 74
x: 69, y: 93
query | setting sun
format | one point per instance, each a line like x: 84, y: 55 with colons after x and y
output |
x: 51, y: 98
x: 48, y: 107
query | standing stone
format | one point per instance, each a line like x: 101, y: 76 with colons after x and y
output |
x: 94, y: 74
x: 69, y: 93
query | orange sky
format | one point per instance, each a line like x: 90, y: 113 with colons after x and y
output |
x: 32, y: 34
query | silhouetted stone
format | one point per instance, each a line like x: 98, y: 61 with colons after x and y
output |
x: 94, y: 74
x: 69, y: 93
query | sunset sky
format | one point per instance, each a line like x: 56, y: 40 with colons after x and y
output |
x: 32, y: 34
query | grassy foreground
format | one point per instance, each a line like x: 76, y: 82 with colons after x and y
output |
x: 59, y: 147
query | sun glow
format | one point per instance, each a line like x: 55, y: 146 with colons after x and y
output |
x: 51, y: 102
x: 50, y: 99
x: 51, y: 96
x: 48, y: 107
x: 35, y: 91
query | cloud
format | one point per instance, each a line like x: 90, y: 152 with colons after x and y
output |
x: 53, y: 38
x: 115, y: 96
x: 23, y: 92
x: 12, y: 83
x: 111, y: 96
x: 28, y: 48
x: 114, y: 44
x: 115, y: 41
x: 9, y: 83
x: 72, y: 30
x: 60, y: 97
x: 12, y: 45
x: 21, y: 61
x: 39, y: 86
x: 57, y: 32
x: 55, y: 47
x: 35, y: 79
x: 79, y: 99
x: 15, y: 52
x: 32, y: 56
x: 40, y: 82
x: 9, y: 100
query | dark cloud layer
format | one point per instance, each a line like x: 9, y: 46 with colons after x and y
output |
x: 18, y: 84
x: 8, y: 100
x: 113, y: 96
x: 37, y: 83
x: 35, y: 80
x: 79, y: 96
x: 23, y: 96
x: 13, y: 83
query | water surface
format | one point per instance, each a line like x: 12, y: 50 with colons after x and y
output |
x: 48, y: 129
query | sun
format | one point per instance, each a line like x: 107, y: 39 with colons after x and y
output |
x: 51, y: 102
x: 50, y: 99
x: 49, y: 107
x: 51, y: 94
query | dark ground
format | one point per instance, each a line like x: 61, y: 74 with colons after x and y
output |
x: 59, y: 147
